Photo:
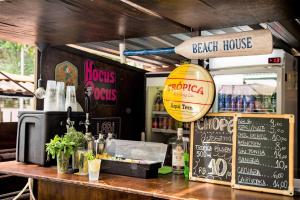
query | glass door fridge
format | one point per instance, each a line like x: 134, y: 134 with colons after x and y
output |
x: 160, y: 126
x: 255, y: 84
x: 258, y: 84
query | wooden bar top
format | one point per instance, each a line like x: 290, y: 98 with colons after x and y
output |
x: 165, y: 187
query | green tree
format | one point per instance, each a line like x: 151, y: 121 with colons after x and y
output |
x: 10, y: 57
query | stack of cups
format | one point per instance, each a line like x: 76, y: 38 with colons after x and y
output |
x: 71, y: 98
x: 60, y: 96
x: 55, y: 98
x: 50, y: 97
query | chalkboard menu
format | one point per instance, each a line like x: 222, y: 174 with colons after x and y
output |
x: 211, y: 149
x: 263, y: 158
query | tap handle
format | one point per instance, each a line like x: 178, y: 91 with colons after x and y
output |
x: 69, y: 110
x: 87, y: 103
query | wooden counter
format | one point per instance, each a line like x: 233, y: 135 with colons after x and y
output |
x: 51, y: 185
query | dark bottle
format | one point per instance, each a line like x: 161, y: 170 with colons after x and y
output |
x: 157, y: 102
x: 274, y: 102
x: 154, y: 122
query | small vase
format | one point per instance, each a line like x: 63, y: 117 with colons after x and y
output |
x: 62, y: 163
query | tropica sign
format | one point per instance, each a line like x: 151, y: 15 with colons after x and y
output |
x: 234, y: 44
x: 102, y: 81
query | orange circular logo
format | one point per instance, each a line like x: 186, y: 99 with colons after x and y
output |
x: 189, y: 93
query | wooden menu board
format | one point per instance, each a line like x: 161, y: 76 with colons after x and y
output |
x: 211, y: 148
x: 264, y: 153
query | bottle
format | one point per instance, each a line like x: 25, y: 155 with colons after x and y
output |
x: 90, y: 141
x: 274, y: 102
x: 161, y: 103
x: 177, y: 154
x: 110, y: 145
x: 165, y: 123
x: 157, y: 101
x: 186, y: 156
x: 170, y: 123
x: 154, y: 122
x: 100, y: 144
x: 161, y: 122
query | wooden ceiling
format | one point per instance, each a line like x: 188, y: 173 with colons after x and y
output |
x: 80, y: 21
x: 213, y: 14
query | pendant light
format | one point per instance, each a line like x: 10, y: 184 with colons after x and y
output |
x: 40, y: 91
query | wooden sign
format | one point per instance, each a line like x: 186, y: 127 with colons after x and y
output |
x: 107, y: 125
x: 67, y: 73
x: 211, y: 148
x: 224, y: 45
x: 188, y: 93
x: 264, y: 153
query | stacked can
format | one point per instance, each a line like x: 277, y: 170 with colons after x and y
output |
x: 233, y: 103
x: 239, y: 103
x: 252, y: 103
x: 221, y: 101
x: 228, y: 102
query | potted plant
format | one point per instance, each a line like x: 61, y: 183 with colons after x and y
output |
x: 80, y: 142
x: 93, y: 166
x: 61, y: 148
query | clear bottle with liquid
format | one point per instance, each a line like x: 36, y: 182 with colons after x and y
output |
x: 157, y: 102
x: 110, y: 146
x: 100, y: 144
x: 177, y: 154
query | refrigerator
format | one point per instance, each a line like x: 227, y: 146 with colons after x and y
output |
x: 257, y: 84
x: 247, y: 84
x: 160, y: 126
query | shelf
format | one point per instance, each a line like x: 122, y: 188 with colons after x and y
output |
x: 158, y: 130
x: 255, y: 112
x: 160, y: 113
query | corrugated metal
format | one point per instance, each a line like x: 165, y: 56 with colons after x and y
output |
x: 8, y: 87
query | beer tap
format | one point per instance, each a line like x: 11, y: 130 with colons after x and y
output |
x: 88, y: 135
x: 69, y: 123
x: 87, y: 95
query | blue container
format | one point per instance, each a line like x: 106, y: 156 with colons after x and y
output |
x: 233, y: 103
x: 221, y: 102
x: 228, y: 102
x: 239, y: 103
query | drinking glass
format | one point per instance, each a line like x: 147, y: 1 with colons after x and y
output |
x: 50, y: 97
x: 60, y: 96
x: 71, y: 98
x: 83, y: 162
x: 94, y: 169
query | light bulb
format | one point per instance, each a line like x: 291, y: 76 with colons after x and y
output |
x: 40, y: 93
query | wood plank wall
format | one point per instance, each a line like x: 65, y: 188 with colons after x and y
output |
x: 130, y: 105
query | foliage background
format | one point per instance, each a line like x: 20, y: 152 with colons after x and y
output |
x: 10, y: 58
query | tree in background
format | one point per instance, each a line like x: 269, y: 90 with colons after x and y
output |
x: 10, y: 58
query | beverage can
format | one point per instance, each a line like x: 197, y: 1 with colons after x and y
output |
x: 165, y: 122
x: 274, y: 102
x: 161, y: 122
x: 258, y: 103
x: 251, y: 103
x: 239, y: 103
x: 233, y: 103
x: 227, y: 102
x: 170, y: 123
x: 221, y: 101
